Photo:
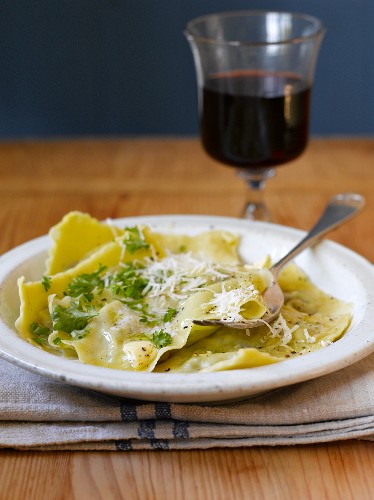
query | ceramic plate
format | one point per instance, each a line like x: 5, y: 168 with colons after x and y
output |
x: 334, y: 268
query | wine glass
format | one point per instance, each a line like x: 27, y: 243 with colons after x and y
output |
x: 254, y: 73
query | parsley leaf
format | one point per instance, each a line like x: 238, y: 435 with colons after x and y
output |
x: 69, y: 319
x: 40, y: 333
x: 135, y: 241
x: 169, y: 315
x: 128, y: 283
x: 161, y: 339
x: 148, y: 319
x: 46, y: 282
x: 85, y: 284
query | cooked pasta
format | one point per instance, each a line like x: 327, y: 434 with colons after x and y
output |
x: 126, y: 299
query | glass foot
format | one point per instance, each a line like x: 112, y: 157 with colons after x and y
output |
x: 256, y: 208
x: 257, y: 211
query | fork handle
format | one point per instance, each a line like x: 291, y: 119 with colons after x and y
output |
x: 340, y: 208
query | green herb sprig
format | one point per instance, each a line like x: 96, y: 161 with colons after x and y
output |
x: 46, y: 282
x: 134, y: 240
x: 169, y: 315
x: 128, y: 283
x: 85, y: 284
x: 75, y: 317
x: 39, y: 333
x: 161, y: 339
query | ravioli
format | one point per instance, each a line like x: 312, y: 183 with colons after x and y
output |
x: 76, y: 227
x: 298, y: 331
x: 125, y: 298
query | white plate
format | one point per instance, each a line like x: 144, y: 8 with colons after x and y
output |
x: 332, y: 267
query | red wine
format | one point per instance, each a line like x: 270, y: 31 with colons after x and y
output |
x: 255, y: 119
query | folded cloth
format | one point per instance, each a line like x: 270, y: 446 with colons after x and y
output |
x: 38, y: 413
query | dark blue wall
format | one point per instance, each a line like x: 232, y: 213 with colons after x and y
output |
x: 116, y: 67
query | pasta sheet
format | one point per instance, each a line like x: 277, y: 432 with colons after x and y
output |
x: 126, y: 299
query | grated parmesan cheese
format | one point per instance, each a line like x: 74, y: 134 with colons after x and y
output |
x: 227, y: 304
x: 280, y: 329
x: 325, y: 343
x: 309, y: 338
x: 176, y: 276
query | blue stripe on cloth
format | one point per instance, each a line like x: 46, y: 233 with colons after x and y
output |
x: 123, y: 444
x: 128, y: 411
x: 180, y: 429
x: 160, y: 444
x: 163, y: 411
x: 146, y: 430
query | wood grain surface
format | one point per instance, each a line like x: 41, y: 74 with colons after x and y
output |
x: 41, y: 181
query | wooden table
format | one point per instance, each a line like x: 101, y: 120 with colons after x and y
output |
x: 41, y: 181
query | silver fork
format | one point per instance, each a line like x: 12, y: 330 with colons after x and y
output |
x: 340, y: 209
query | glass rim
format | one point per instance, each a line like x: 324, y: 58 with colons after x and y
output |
x: 320, y: 28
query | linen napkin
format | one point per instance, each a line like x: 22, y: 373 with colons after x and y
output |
x: 37, y: 413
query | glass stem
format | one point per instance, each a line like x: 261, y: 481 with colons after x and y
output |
x: 256, y: 208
